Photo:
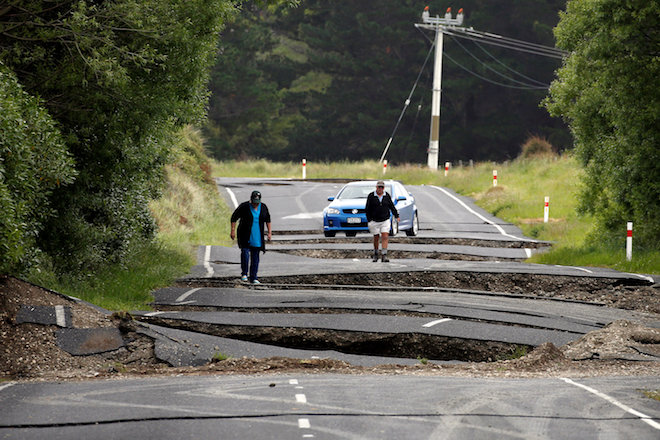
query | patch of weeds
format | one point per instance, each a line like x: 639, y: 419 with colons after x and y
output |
x: 652, y: 394
x: 117, y: 367
x: 535, y: 231
x: 422, y: 360
x: 219, y: 357
x: 514, y: 353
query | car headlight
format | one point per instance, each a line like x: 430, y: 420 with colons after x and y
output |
x: 333, y: 211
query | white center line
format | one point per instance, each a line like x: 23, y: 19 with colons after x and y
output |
x: 304, y: 424
x: 437, y: 321
x: 207, y: 265
x: 293, y: 381
x: 301, y: 398
x: 642, y: 416
x: 60, y: 318
x: 187, y: 294
x: 154, y: 313
x: 528, y: 252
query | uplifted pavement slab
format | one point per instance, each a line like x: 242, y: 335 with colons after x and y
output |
x: 384, y: 324
x: 86, y: 341
x: 45, y: 315
x: 184, y: 348
x: 274, y: 264
x: 478, y: 251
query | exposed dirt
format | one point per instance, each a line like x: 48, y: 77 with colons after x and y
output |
x: 30, y: 352
x: 365, y: 238
x: 346, y: 254
x: 608, y: 292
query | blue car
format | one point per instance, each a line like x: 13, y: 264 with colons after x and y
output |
x: 346, y: 213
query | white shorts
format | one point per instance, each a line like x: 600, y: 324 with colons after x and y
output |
x: 380, y: 227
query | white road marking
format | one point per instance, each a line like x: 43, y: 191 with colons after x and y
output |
x: 7, y: 385
x: 293, y: 381
x: 207, y: 264
x: 528, y: 252
x: 576, y: 268
x: 232, y: 196
x: 646, y: 419
x: 185, y: 302
x: 187, y: 294
x: 644, y: 277
x: 437, y: 321
x: 154, y: 313
x: 60, y: 318
x: 301, y: 398
x: 304, y: 424
x: 498, y: 227
x: 308, y: 436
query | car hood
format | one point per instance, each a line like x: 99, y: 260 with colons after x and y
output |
x: 348, y: 203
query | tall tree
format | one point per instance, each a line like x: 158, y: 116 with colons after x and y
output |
x: 117, y: 77
x: 608, y: 90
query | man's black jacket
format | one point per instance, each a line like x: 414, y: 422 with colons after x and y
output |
x: 244, y: 216
x: 379, y: 211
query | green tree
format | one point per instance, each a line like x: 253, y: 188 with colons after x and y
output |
x: 119, y: 78
x: 608, y: 90
x: 33, y: 163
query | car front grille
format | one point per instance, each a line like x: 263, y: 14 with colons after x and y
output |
x: 350, y: 211
x: 354, y: 225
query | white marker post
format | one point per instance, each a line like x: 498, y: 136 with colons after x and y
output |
x: 446, y: 168
x: 494, y: 177
x: 629, y: 242
x: 546, y: 209
x: 384, y: 166
x: 304, y: 169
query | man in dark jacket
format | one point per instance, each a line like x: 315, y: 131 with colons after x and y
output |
x: 379, y: 206
x: 251, y: 217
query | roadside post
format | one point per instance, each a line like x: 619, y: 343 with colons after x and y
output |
x: 546, y: 209
x: 446, y: 169
x: 494, y: 177
x: 304, y: 169
x: 629, y: 241
x: 384, y: 166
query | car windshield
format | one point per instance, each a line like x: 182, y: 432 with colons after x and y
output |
x: 359, y: 191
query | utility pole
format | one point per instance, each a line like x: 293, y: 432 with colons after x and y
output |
x: 437, y: 24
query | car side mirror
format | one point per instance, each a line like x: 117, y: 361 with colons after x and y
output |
x: 330, y: 199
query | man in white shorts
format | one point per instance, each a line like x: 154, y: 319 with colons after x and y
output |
x: 378, y: 208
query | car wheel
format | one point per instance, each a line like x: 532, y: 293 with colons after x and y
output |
x: 351, y: 233
x: 394, y: 229
x: 415, y: 227
x: 329, y: 233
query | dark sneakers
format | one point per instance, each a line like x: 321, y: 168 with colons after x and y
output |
x: 375, y: 258
x: 385, y: 259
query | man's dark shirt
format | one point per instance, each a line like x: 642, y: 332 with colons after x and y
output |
x: 379, y: 211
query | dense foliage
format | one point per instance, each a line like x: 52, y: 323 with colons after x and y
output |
x: 117, y: 78
x: 608, y: 90
x: 33, y: 163
x: 328, y: 80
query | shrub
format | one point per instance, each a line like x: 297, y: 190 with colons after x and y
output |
x: 536, y: 146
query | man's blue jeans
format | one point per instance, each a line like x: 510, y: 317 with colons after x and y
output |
x: 250, y: 258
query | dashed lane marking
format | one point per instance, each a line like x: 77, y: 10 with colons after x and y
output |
x: 304, y: 424
x: 301, y: 398
x: 207, y: 264
x: 60, y: 317
x: 643, y: 417
x: 437, y: 321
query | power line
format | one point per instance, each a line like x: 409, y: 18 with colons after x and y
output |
x: 507, y: 67
x: 526, y: 85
